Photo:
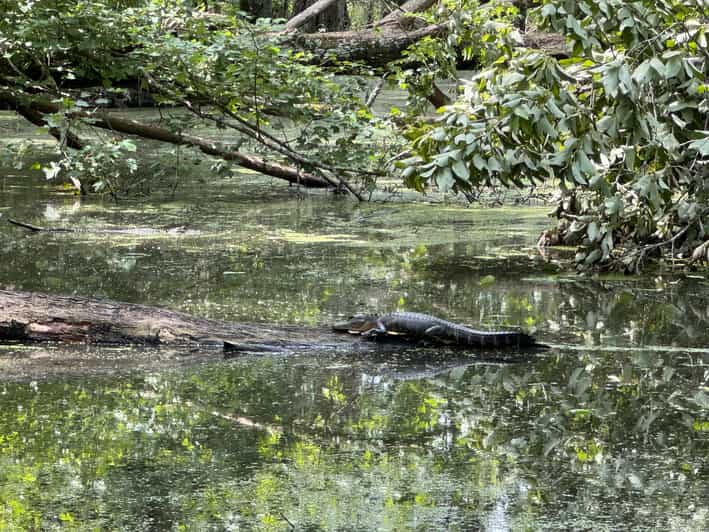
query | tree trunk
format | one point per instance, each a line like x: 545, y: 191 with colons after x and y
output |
x: 309, y: 14
x: 374, y: 47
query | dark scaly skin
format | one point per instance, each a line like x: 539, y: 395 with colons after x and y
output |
x: 431, y: 328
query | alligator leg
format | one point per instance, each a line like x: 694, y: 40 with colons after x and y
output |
x: 378, y: 329
x: 439, y: 334
x: 435, y: 331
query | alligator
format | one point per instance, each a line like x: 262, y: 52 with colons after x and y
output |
x: 430, y: 328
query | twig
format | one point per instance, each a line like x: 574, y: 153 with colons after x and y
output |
x: 650, y: 247
x: 26, y: 226
x: 283, y: 516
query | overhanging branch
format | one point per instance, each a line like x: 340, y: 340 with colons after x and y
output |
x: 104, y: 120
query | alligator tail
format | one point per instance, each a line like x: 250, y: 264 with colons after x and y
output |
x: 505, y: 339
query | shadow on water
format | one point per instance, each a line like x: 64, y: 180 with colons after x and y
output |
x: 607, y: 430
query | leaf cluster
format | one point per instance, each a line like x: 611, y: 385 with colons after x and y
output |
x: 225, y: 70
x: 620, y: 127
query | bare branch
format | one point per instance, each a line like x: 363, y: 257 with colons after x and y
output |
x: 375, y: 92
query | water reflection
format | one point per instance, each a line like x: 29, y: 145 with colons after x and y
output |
x: 324, y: 440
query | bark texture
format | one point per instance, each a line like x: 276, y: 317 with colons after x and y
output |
x: 33, y: 317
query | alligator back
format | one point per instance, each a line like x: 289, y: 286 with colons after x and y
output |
x: 432, y: 328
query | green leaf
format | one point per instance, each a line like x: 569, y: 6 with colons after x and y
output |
x: 558, y: 113
x: 576, y: 173
x: 701, y: 145
x: 512, y: 78
x: 574, y: 25
x: 548, y: 10
x: 494, y: 165
x: 673, y: 67
x: 613, y: 205
x: 585, y: 164
x: 593, y: 257
x: 444, y: 179
x: 640, y: 74
x: 658, y: 66
x: 460, y: 169
x: 610, y: 81
x: 479, y: 162
x: 629, y: 152
x: 544, y: 126
x: 522, y: 111
x: 626, y: 82
x: 487, y: 280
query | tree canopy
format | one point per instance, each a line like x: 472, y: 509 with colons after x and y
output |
x: 615, y: 120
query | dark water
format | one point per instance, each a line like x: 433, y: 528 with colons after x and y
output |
x: 608, y: 430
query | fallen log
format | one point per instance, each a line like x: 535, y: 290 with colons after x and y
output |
x: 35, y: 317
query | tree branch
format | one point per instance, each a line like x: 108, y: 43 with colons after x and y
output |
x: 412, y: 6
x: 104, y: 120
x: 373, y: 47
x: 259, y: 135
x: 304, y: 16
x: 37, y: 118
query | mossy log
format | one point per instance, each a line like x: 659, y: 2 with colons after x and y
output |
x: 35, y: 317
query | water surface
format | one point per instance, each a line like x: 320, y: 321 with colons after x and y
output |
x: 608, y: 430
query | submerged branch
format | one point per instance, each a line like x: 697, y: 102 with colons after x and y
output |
x: 31, y: 227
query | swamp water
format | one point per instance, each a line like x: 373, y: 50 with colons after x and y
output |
x: 607, y: 430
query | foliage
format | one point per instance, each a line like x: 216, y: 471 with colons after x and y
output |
x: 620, y: 126
x: 478, y: 34
x: 221, y: 70
x: 248, y: 77
x: 105, y: 167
